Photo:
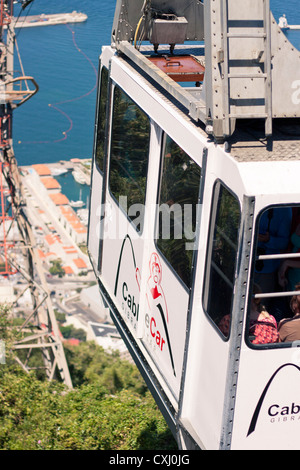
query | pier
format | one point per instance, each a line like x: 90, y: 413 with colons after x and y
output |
x: 49, y: 20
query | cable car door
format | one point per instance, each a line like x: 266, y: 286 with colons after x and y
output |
x: 122, y: 244
x: 168, y: 260
x: 208, y: 358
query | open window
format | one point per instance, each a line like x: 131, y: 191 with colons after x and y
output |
x: 274, y: 305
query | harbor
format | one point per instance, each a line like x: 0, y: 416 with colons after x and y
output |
x: 49, y: 20
x: 60, y: 235
x: 59, y: 196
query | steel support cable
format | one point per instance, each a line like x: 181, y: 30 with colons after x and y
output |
x: 56, y: 106
x: 27, y: 13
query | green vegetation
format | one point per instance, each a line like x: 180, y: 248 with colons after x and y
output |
x: 56, y: 268
x: 68, y: 331
x: 109, y: 408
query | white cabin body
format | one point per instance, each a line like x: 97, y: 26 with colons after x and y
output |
x: 182, y: 298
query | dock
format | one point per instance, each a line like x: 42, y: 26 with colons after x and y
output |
x: 49, y: 20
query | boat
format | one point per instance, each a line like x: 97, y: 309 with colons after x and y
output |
x: 78, y: 176
x: 194, y: 194
x: 58, y: 171
x: 49, y: 20
x: 78, y: 203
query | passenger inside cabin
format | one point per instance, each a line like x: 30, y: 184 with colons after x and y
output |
x: 273, y: 238
x: 289, y: 271
x: 263, y: 326
x: 224, y: 325
x: 289, y: 328
x: 279, y: 232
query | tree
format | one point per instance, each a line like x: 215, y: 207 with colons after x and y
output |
x: 69, y: 331
x: 41, y: 415
x: 56, y: 268
x: 109, y: 408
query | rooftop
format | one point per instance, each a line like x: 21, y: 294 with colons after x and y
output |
x: 41, y: 169
x: 68, y: 270
x: 59, y: 199
x: 50, y: 183
x: 249, y: 144
x: 80, y: 263
x: 51, y: 239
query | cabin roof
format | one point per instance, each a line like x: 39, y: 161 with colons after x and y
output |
x: 249, y: 144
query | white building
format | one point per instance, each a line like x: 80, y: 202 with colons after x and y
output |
x: 107, y: 336
x: 92, y: 298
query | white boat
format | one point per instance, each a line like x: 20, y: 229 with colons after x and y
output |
x: 79, y: 177
x: 48, y: 20
x: 58, y: 171
x: 77, y: 203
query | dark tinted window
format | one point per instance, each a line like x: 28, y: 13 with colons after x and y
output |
x: 222, y: 255
x: 179, y: 190
x: 101, y: 119
x: 129, y: 156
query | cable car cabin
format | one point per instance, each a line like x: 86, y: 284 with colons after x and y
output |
x: 195, y: 245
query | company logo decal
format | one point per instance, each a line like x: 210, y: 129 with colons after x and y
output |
x: 157, y: 302
x: 130, y: 307
x: 120, y: 259
x: 275, y: 408
x: 156, y: 317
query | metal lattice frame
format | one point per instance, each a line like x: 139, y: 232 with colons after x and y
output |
x: 39, y: 330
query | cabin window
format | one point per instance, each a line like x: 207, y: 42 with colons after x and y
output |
x: 274, y: 300
x: 177, y: 208
x: 129, y: 157
x: 221, y: 258
x: 100, y: 138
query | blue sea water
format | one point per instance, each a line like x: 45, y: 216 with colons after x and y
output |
x: 58, y: 122
x: 65, y: 67
x: 73, y: 190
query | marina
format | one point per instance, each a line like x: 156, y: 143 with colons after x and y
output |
x: 49, y: 20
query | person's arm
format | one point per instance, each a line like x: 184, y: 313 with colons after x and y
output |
x: 287, y: 263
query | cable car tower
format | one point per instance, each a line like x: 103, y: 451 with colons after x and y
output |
x: 39, y: 330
